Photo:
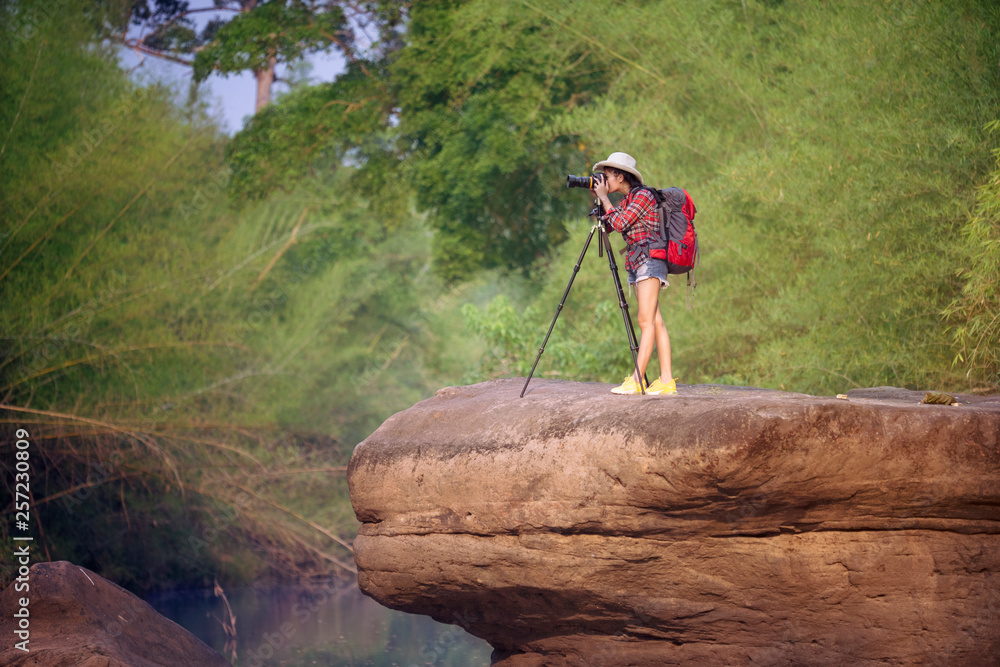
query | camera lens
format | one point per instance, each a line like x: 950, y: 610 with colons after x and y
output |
x: 580, y: 182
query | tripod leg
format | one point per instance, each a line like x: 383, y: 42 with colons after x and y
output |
x: 576, y: 269
x: 623, y: 304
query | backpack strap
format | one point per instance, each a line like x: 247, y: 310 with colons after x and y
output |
x: 636, y: 250
x: 691, y: 286
x: 692, y: 283
x: 660, y: 201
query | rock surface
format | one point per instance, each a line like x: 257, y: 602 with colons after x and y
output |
x: 80, y: 619
x: 723, y: 526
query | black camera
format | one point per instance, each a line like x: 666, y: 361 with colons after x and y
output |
x: 587, y: 182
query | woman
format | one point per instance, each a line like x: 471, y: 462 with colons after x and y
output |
x: 636, y: 218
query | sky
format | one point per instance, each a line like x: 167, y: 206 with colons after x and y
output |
x: 231, y: 98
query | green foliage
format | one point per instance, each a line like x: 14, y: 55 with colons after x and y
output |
x: 194, y: 378
x: 833, y: 151
x: 976, y: 312
x: 507, y: 334
x: 340, y: 119
x: 460, y: 119
x: 478, y: 86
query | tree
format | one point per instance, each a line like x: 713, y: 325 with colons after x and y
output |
x: 158, y: 348
x: 463, y: 116
x: 481, y: 87
x: 257, y: 36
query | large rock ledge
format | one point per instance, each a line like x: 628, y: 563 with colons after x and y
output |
x: 723, y: 526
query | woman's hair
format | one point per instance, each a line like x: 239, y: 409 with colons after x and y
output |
x: 630, y: 178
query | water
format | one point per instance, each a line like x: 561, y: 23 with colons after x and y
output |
x: 319, y: 625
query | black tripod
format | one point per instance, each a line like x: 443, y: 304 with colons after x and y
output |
x: 604, y: 244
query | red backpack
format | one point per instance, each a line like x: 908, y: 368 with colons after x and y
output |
x: 677, y: 241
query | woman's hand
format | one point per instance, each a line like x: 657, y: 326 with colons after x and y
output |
x: 601, y: 192
x: 601, y: 188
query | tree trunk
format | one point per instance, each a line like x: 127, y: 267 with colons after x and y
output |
x: 265, y: 77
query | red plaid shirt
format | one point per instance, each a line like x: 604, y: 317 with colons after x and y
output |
x: 636, y: 218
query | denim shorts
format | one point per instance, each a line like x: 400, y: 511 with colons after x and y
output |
x: 652, y: 268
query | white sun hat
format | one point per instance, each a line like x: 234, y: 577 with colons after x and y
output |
x: 622, y: 161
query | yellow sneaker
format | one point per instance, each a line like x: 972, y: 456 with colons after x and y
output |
x: 629, y: 386
x: 662, y: 388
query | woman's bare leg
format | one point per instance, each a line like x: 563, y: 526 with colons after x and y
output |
x: 662, y: 346
x: 648, y: 295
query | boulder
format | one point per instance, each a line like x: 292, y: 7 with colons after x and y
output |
x: 721, y: 526
x: 79, y: 619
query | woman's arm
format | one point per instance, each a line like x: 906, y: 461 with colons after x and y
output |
x: 622, y: 220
